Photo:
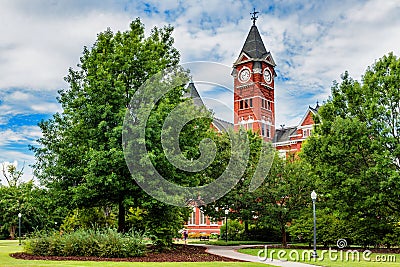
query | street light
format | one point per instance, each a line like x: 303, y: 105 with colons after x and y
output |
x: 314, y: 198
x: 19, y: 227
x: 226, y: 224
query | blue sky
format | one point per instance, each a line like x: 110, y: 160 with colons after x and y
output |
x: 312, y: 42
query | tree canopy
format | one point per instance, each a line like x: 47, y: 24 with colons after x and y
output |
x: 355, y: 149
x: 81, y: 154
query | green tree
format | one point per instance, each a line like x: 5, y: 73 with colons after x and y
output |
x: 81, y: 152
x: 32, y: 202
x: 330, y: 227
x: 9, y: 208
x: 285, y: 193
x: 235, y: 230
x: 86, y: 218
x: 241, y: 202
x: 355, y: 150
x: 285, y: 190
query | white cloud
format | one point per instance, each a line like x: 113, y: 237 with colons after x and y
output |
x: 26, y: 102
x: 22, y: 135
x: 9, y: 136
x: 27, y: 172
x: 312, y: 43
x: 19, y: 96
x: 19, y: 139
x: 314, y: 50
x: 39, y: 47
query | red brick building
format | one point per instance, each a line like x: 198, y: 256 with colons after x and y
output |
x: 254, y: 109
x: 288, y: 140
x: 200, y: 223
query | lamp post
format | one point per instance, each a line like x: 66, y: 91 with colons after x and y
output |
x: 314, y: 198
x: 226, y: 224
x: 19, y: 227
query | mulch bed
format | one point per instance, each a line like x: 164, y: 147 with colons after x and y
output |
x: 179, y: 253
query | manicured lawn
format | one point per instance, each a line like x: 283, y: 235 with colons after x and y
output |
x: 230, y: 243
x: 342, y: 259
x: 7, y: 247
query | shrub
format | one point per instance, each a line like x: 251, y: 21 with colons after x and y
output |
x: 235, y: 230
x: 214, y: 236
x: 194, y: 235
x: 87, y: 218
x: 106, y: 243
x: 263, y: 232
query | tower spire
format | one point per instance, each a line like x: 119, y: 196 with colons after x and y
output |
x: 254, y: 46
x: 253, y: 16
x: 254, y: 93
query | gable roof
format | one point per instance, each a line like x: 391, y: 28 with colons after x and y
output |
x: 194, y: 94
x: 219, y: 124
x: 310, y: 109
x: 222, y: 125
x: 283, y: 134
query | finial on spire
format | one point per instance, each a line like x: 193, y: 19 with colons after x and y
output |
x: 253, y: 16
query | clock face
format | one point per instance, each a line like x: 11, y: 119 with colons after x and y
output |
x: 244, y: 75
x: 267, y: 76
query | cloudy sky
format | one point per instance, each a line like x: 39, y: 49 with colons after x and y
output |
x: 312, y: 42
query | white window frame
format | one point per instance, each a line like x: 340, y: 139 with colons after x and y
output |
x: 202, y: 218
x: 192, y: 217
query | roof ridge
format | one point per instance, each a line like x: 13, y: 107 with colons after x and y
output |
x: 285, y: 128
x: 222, y: 120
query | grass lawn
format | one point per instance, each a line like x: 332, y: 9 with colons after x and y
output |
x: 7, y: 247
x: 230, y: 243
x: 369, y: 260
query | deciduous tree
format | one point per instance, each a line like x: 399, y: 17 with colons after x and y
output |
x: 355, y: 149
x: 81, y: 153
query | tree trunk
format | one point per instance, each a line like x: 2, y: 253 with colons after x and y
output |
x: 12, y: 230
x: 121, y: 215
x: 283, y: 232
x: 246, y: 229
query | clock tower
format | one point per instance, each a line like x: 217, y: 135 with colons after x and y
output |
x: 254, y: 74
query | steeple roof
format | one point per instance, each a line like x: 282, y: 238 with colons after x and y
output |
x: 219, y: 124
x: 254, y: 46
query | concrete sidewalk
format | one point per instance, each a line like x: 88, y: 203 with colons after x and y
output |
x: 231, y: 252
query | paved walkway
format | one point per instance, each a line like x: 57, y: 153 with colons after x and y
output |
x: 231, y: 252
